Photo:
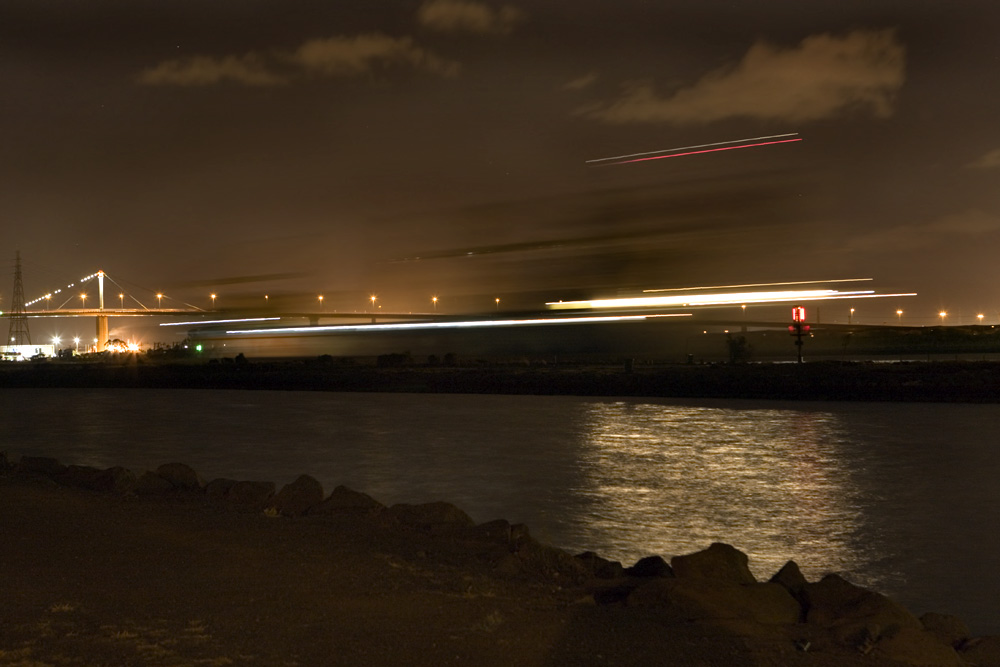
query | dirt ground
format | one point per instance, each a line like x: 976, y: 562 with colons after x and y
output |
x: 102, y: 579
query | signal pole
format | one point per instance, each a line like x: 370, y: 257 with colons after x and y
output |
x: 19, y: 334
x: 798, y: 328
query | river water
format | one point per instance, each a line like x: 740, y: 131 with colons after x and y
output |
x: 902, y: 498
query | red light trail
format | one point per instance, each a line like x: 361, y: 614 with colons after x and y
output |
x: 708, y: 150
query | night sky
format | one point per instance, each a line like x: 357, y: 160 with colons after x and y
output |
x: 410, y: 149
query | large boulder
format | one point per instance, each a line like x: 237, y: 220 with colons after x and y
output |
x: 219, y: 488
x: 151, y: 484
x: 602, y: 568
x: 437, y: 517
x: 918, y: 648
x: 790, y: 578
x: 719, y: 562
x: 650, y: 566
x: 114, y: 480
x: 180, y: 476
x: 253, y: 494
x: 343, y: 499
x: 981, y: 651
x: 296, y: 498
x: 947, y: 628
x: 857, y: 616
x: 701, y: 599
x: 40, y: 465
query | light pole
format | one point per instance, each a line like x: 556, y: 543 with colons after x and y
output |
x: 83, y: 301
x: 159, y: 300
x: 55, y: 343
x: 213, y: 301
x: 498, y: 303
x: 373, y: 301
x: 321, y: 302
x: 76, y: 341
x: 48, y: 299
x: 980, y: 317
x: 850, y: 317
x: 943, y: 314
x: 121, y: 300
x: 899, y: 316
x: 434, y: 300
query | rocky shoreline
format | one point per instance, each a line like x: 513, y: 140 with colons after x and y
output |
x: 938, y: 381
x: 706, y: 607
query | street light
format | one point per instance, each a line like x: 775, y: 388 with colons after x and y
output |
x: 850, y: 316
x: 980, y: 317
x: 942, y: 315
x: 83, y: 300
x: 76, y: 341
x: 899, y: 316
x: 213, y: 301
x: 48, y: 299
x: 121, y: 299
x: 498, y: 303
x: 321, y: 302
x: 159, y: 300
x: 55, y: 342
x: 372, y: 297
x: 434, y: 300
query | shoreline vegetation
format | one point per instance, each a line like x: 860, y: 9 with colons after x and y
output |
x: 109, y: 567
x: 935, y: 381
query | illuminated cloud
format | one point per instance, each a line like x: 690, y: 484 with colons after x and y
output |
x: 823, y: 77
x: 990, y: 160
x: 582, y: 82
x: 249, y: 69
x: 334, y: 56
x: 968, y: 224
x: 350, y: 56
x: 465, y: 16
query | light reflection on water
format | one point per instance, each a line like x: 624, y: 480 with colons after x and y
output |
x: 899, y: 497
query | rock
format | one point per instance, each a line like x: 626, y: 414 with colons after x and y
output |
x: 345, y: 499
x: 650, y: 566
x: 719, y: 562
x: 115, y: 480
x: 542, y: 560
x: 150, y: 484
x: 947, y: 628
x: 5, y: 464
x: 495, y: 532
x: 791, y: 579
x: 981, y: 651
x: 856, y: 615
x: 254, y: 494
x: 219, y: 488
x: 83, y: 477
x: 180, y: 476
x: 296, y: 498
x: 438, y: 518
x: 918, y: 648
x: 602, y: 568
x: 40, y: 465
x: 701, y: 599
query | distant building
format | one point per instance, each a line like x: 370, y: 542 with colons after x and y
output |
x: 26, y: 352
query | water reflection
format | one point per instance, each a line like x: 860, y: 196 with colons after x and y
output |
x: 670, y: 479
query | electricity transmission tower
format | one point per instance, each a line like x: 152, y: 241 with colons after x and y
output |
x: 19, y: 334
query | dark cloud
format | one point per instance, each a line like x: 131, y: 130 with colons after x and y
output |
x: 466, y: 16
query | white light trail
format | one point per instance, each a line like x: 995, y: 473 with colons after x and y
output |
x: 796, y: 282
x: 731, y: 298
x: 686, y: 148
x: 245, y: 319
x: 470, y: 324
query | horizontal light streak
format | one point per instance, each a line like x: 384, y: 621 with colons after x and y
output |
x: 796, y: 282
x: 707, y: 150
x: 730, y: 298
x: 469, y: 324
x: 245, y: 319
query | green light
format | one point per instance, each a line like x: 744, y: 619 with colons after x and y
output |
x: 197, y: 348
